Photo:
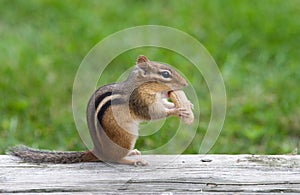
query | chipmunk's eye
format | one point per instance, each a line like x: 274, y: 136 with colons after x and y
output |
x: 165, y: 74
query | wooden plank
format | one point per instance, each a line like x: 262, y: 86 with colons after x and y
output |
x: 165, y: 174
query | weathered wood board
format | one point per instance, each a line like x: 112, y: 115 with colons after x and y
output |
x: 165, y: 174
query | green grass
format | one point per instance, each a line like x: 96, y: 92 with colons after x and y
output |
x: 255, y: 44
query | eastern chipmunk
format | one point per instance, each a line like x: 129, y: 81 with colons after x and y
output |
x: 114, y: 112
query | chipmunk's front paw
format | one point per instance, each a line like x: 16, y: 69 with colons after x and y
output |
x: 183, y: 112
x: 134, y: 152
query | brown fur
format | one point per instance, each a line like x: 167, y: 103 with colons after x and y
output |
x: 142, y: 97
x: 115, y: 132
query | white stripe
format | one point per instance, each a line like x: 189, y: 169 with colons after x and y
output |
x: 103, y: 102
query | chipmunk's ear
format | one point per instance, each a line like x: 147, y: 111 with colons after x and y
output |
x: 143, y: 63
x: 142, y: 59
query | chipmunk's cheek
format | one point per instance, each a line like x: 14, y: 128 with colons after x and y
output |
x: 165, y: 95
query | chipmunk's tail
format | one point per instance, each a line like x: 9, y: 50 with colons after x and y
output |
x: 45, y: 156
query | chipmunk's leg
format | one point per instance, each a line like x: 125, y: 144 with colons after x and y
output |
x: 134, y: 152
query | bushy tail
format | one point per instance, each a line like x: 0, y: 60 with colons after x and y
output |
x: 45, y: 156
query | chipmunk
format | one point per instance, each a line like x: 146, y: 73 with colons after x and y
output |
x: 114, y: 112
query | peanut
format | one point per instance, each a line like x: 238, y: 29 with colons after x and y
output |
x: 180, y: 100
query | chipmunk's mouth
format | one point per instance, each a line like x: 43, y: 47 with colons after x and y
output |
x: 168, y: 93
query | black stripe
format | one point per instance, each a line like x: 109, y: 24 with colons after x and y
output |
x: 106, y: 106
x: 99, y: 99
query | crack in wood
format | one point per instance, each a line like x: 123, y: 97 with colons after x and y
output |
x: 225, y: 173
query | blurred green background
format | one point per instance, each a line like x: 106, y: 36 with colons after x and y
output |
x: 256, y: 45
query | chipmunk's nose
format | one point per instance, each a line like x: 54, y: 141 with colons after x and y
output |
x: 185, y: 83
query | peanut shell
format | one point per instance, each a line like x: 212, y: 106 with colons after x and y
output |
x: 180, y: 100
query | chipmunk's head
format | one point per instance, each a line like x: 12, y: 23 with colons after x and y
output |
x: 149, y: 71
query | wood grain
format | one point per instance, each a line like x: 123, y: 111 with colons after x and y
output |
x: 165, y: 174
